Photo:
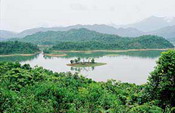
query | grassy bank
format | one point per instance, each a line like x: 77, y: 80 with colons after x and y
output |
x: 9, y: 55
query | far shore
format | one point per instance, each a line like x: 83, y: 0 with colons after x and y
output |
x: 84, y: 51
x: 55, y: 55
x: 127, y: 50
x: 8, y: 55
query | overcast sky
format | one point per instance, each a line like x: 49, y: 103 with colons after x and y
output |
x: 17, y: 15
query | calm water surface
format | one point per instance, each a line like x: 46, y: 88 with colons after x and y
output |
x: 132, y: 67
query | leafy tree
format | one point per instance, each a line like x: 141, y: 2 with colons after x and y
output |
x: 76, y: 61
x: 92, y: 60
x: 162, y: 80
x: 71, y: 61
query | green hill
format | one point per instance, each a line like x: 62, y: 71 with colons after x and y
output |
x: 85, y: 39
x: 15, y: 47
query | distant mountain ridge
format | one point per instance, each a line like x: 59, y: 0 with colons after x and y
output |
x: 155, y: 25
x: 151, y: 24
x: 6, y: 34
x: 125, y: 32
x: 167, y: 32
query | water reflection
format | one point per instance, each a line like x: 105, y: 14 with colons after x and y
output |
x: 141, y: 54
x: 133, y: 67
x: 79, y: 69
x: 18, y: 58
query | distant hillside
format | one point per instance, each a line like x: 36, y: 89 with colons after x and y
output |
x: 16, y: 47
x: 166, y: 32
x: 172, y: 40
x: 86, y: 37
x: 129, y: 32
x: 150, y: 24
x: 6, y: 34
x: 126, y: 32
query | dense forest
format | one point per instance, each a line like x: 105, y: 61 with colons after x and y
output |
x: 36, y: 90
x: 79, y: 39
x: 15, y: 47
x: 141, y: 43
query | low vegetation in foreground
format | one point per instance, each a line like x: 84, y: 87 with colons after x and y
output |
x: 15, y: 47
x: 36, y: 90
x: 88, y: 62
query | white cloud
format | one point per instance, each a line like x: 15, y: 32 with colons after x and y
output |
x: 78, y: 6
x: 21, y: 14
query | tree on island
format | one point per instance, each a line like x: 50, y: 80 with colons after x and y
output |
x: 71, y: 61
x: 78, y: 60
x: 93, y: 60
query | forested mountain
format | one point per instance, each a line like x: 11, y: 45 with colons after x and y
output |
x: 15, y: 47
x: 143, y: 42
x: 83, y: 37
x: 74, y: 35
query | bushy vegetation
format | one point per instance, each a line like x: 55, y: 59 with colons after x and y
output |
x: 83, y: 39
x: 162, y: 80
x: 37, y: 90
x: 15, y: 47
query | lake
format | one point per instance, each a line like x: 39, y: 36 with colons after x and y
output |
x: 132, y: 67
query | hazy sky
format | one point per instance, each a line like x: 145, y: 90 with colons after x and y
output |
x: 17, y: 15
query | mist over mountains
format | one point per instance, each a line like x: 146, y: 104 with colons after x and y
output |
x: 153, y: 25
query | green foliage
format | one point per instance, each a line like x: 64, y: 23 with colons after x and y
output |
x: 71, y: 61
x: 92, y: 60
x: 83, y: 39
x: 162, y: 80
x: 37, y: 90
x: 146, y: 108
x: 26, y: 89
x: 17, y: 48
x: 143, y: 42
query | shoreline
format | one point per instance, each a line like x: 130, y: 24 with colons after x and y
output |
x: 55, y: 55
x: 84, y: 51
x: 127, y: 50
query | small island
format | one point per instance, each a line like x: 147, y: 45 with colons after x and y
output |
x: 89, y: 62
